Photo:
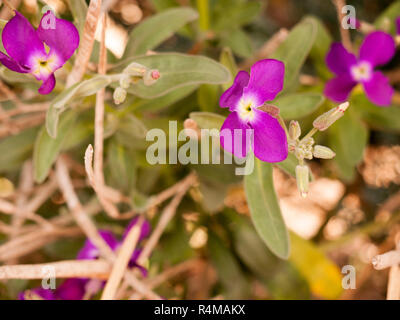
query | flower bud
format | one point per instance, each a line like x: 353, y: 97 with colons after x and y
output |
x: 150, y: 77
x: 119, y: 95
x: 135, y: 69
x: 125, y: 82
x: 303, y: 179
x: 294, y: 130
x: 325, y: 120
x: 323, y: 152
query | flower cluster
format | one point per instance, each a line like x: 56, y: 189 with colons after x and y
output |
x: 245, y: 99
x: 78, y: 289
x: 38, y: 52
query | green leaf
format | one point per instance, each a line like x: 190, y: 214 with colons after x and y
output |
x: 132, y: 127
x: 16, y: 149
x: 79, y: 10
x: 298, y: 105
x: 381, y: 118
x: 157, y: 104
x: 228, y: 60
x: 154, y: 30
x: 47, y: 149
x: 265, y: 211
x: 348, y: 137
x: 228, y: 16
x: 280, y: 277
x: 323, y: 275
x: 121, y: 165
x: 81, y: 89
x: 177, y: 71
x: 207, y: 120
x: 295, y: 49
x: 213, y: 193
x: 208, y: 97
x: 227, y: 268
x: 389, y: 15
x: 239, y: 42
x: 289, y: 165
x: 320, y: 48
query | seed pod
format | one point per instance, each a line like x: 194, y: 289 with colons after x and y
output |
x: 125, y: 82
x: 325, y: 120
x: 303, y: 179
x: 323, y: 152
x: 119, y: 95
x: 294, y: 130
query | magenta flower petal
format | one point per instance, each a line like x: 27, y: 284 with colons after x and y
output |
x: 378, y: 48
x: 71, y: 289
x: 90, y: 251
x: 270, y: 141
x: 378, y: 89
x: 62, y: 37
x: 144, y: 232
x: 339, y: 60
x: 266, y: 81
x: 45, y: 294
x: 21, y: 41
x: 48, y: 85
x: 231, y: 97
x: 233, y: 137
x: 338, y: 89
x: 12, y: 64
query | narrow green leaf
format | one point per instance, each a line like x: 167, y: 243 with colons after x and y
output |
x: 265, y: 211
x: 388, y: 16
x: 79, y: 10
x: 47, y: 149
x: 239, y: 42
x: 298, y: 105
x: 295, y: 49
x: 16, y: 149
x: 227, y: 268
x: 156, y: 29
x: 207, y: 97
x: 177, y: 71
x: 207, y: 120
x: 80, y: 89
x: 349, y: 138
x: 131, y: 126
x: 228, y: 60
x: 157, y: 104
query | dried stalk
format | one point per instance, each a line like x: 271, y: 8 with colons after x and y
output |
x: 122, y: 261
x: 87, y: 42
x: 95, y: 269
x: 344, y: 33
x: 167, y: 215
x: 386, y: 260
x: 89, y: 228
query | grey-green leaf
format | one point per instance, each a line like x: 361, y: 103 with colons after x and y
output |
x: 295, y: 49
x: 47, y: 149
x: 207, y: 120
x: 298, y: 105
x: 265, y: 211
x: 156, y: 29
x: 177, y: 71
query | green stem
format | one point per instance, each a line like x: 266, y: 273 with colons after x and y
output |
x: 204, y: 12
x: 310, y: 134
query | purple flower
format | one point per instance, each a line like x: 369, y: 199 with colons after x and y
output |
x: 38, y: 52
x: 248, y: 127
x: 77, y: 289
x: 377, y: 49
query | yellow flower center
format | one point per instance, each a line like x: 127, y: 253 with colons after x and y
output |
x: 43, y: 67
x: 361, y: 71
x: 245, y: 110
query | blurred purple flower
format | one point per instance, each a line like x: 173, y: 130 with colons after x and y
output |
x: 398, y: 25
x: 76, y: 289
x: 377, y: 49
x: 38, y: 52
x: 248, y: 126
